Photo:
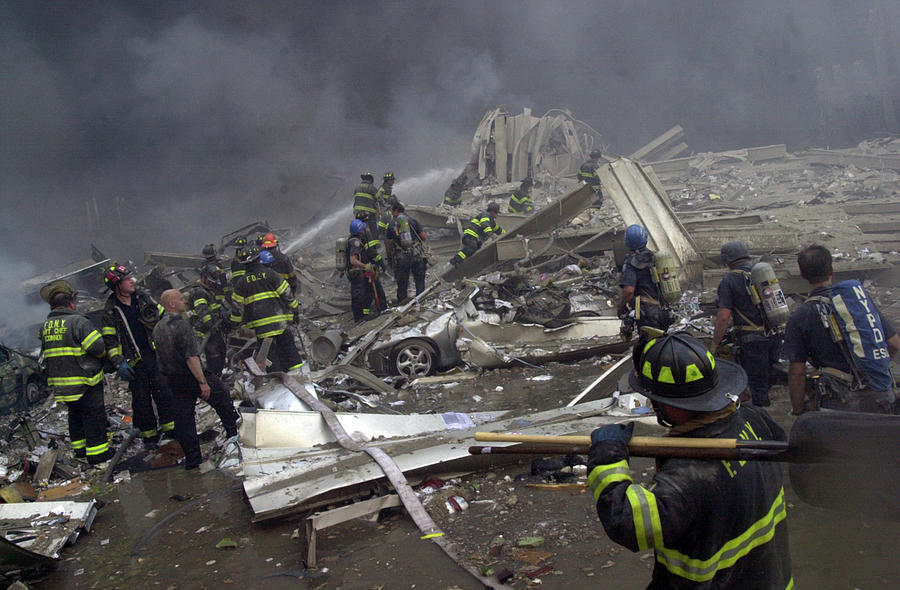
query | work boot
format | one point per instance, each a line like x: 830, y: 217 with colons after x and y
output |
x: 104, y: 456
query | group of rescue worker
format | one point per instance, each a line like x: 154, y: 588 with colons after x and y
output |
x: 383, y: 236
x: 155, y: 349
x: 695, y: 392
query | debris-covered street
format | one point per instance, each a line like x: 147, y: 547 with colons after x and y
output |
x: 326, y: 306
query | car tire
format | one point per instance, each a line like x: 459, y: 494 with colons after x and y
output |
x: 414, y: 358
x: 34, y: 392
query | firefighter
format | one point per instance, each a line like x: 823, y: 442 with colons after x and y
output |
x: 757, y: 351
x: 73, y: 352
x: 405, y: 245
x: 385, y: 191
x: 268, y: 308
x: 179, y: 360
x: 363, y: 274
x: 210, y: 256
x: 365, y: 202
x: 807, y: 339
x: 453, y: 194
x: 282, y: 264
x: 479, y: 229
x: 640, y: 293
x: 209, y: 319
x: 711, y: 524
x: 520, y: 201
x: 129, y: 316
x: 237, y: 264
x: 588, y: 174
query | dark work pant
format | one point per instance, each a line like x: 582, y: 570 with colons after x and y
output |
x: 654, y: 316
x: 407, y: 264
x: 469, y: 246
x: 283, y: 353
x: 186, y: 391
x: 146, y: 389
x: 360, y: 295
x: 215, y: 351
x: 757, y: 355
x: 87, y: 422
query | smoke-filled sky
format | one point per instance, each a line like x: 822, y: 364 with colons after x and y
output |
x: 189, y: 119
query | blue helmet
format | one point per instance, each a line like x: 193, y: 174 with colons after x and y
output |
x: 357, y: 226
x: 266, y: 257
x: 635, y: 237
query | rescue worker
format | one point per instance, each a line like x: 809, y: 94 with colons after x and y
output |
x: 405, y: 247
x: 179, y: 361
x: 365, y: 202
x: 757, y: 350
x: 267, y: 307
x: 210, y: 256
x: 479, y: 229
x: 129, y: 317
x: 73, y: 353
x: 807, y: 339
x: 237, y: 264
x: 385, y: 191
x: 384, y: 224
x: 711, y: 524
x: 362, y: 274
x: 588, y: 174
x: 208, y: 319
x: 640, y: 293
x: 282, y: 264
x: 453, y: 194
x: 520, y: 201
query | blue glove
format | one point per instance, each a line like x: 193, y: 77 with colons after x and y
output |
x: 125, y: 371
x: 616, y: 432
x: 604, y: 453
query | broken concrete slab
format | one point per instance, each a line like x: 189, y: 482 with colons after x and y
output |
x: 657, y: 146
x: 39, y: 530
x: 271, y: 429
x: 767, y: 153
x: 845, y: 158
x: 281, y: 481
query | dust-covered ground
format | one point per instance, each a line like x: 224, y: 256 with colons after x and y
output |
x: 161, y: 528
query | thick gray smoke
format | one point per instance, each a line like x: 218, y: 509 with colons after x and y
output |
x: 183, y: 121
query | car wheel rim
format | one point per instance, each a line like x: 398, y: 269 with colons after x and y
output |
x: 414, y: 361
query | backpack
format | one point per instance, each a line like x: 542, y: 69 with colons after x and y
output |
x: 855, y: 324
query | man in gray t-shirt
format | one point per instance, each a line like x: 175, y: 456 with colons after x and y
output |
x: 178, y: 355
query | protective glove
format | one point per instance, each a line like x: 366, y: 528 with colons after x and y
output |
x: 296, y: 319
x: 369, y: 267
x: 609, y: 444
x: 125, y: 371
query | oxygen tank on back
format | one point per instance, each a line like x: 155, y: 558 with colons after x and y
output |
x: 667, y: 277
x: 340, y: 254
x: 769, y: 296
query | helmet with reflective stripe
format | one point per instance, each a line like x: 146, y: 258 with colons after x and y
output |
x: 389, y: 176
x: 493, y: 207
x: 367, y: 176
x: 240, y: 242
x: 251, y: 254
x: 269, y: 241
x: 266, y: 257
x: 679, y: 371
x: 635, y: 237
x: 357, y: 226
x: 114, y: 275
x: 596, y: 153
